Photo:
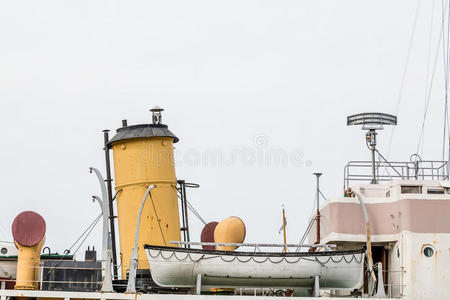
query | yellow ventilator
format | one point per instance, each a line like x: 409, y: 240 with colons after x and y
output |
x: 229, y: 230
x: 143, y: 155
x: 28, y: 230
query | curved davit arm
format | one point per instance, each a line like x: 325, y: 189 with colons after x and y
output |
x: 131, y: 285
x: 367, y: 225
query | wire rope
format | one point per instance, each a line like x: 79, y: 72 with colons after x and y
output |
x: 157, y: 219
x: 193, y: 210
x: 405, y: 70
x: 84, y: 232
x: 421, y: 136
x: 88, y: 233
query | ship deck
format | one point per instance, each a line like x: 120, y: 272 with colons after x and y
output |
x: 5, y: 294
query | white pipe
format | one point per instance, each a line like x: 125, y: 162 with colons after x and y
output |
x: 367, y: 225
x: 380, y: 286
x: 106, y: 251
x: 105, y: 226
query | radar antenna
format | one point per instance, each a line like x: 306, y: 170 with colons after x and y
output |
x: 372, y: 122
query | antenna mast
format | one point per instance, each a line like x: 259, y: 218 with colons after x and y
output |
x: 372, y: 122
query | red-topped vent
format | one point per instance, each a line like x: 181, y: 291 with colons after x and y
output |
x: 28, y: 228
x: 207, y: 235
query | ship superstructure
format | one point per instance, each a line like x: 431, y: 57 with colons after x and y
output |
x: 388, y: 236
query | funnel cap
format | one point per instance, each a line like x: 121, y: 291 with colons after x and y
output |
x: 207, y: 235
x: 142, y: 131
x: 28, y: 228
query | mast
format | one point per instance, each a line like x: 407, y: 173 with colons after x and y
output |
x: 372, y: 122
x: 317, y: 208
x: 110, y: 202
x: 284, y: 231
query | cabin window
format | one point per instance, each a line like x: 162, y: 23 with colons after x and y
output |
x: 435, y: 191
x: 411, y: 189
x: 4, y: 251
x: 428, y: 251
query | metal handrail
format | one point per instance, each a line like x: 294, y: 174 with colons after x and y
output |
x: 257, y: 245
x: 423, y: 170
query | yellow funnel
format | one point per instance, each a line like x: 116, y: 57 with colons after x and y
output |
x: 143, y: 155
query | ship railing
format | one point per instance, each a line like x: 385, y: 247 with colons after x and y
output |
x: 361, y: 171
x: 90, y: 281
x: 394, y: 290
x: 257, y: 246
x: 392, y: 282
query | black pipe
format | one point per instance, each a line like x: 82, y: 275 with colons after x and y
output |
x: 183, y: 222
x: 185, y: 211
x: 47, y: 248
x: 110, y: 202
x: 183, y: 187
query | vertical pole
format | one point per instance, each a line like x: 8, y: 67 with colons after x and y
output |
x: 384, y: 264
x: 372, y: 139
x: 448, y: 162
x: 374, y: 177
x: 110, y: 202
x: 188, y: 238
x: 183, y: 228
x: 284, y: 231
x: 316, y: 288
x: 317, y: 207
x: 198, y: 286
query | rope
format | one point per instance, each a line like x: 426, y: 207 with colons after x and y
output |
x: 157, y: 219
x: 323, y: 196
x: 6, y: 274
x: 84, y: 232
x: 2, y: 231
x: 87, y: 234
x: 428, y: 96
x: 405, y: 70
x: 193, y: 210
x: 445, y: 53
x: 311, y: 222
x: 428, y: 84
x: 308, y: 229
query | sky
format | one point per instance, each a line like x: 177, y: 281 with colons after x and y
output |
x: 256, y: 77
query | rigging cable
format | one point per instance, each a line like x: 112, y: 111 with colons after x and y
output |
x: 2, y: 231
x: 445, y: 53
x: 88, y: 233
x: 67, y: 251
x: 310, y: 224
x: 405, y: 70
x: 192, y: 209
x: 429, y: 83
x: 195, y: 212
x: 87, y: 229
x: 157, y: 219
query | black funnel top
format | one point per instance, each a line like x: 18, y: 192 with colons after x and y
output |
x: 142, y: 131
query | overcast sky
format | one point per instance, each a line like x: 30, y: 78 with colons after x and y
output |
x: 232, y: 76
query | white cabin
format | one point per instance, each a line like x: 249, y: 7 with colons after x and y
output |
x: 409, y: 221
